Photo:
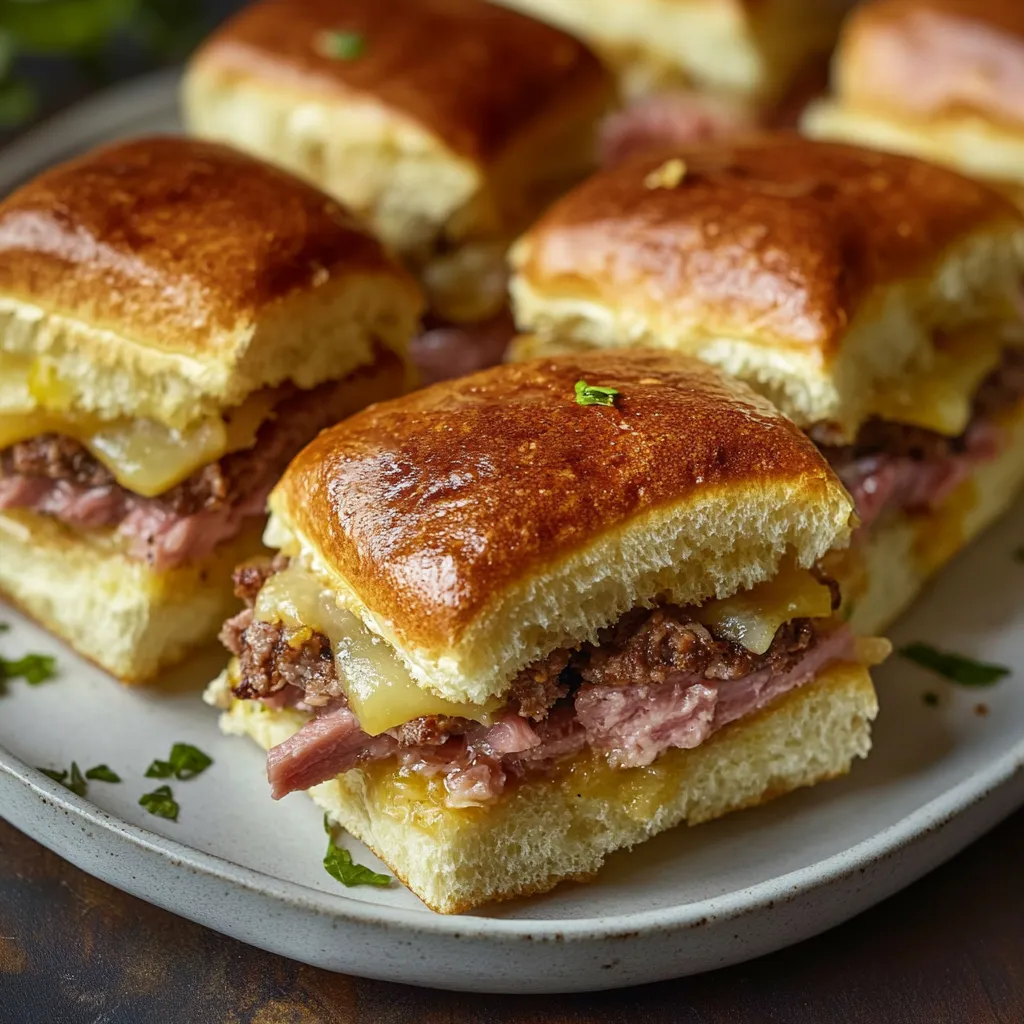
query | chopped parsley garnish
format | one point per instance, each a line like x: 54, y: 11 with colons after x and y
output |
x: 594, y: 394
x: 161, y: 802
x: 185, y: 762
x: 4, y: 626
x: 75, y: 781
x: 339, y: 864
x: 33, y: 668
x: 954, y: 667
x: 341, y: 45
x: 102, y: 773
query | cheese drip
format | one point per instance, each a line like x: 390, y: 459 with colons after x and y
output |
x: 379, y: 688
x: 143, y: 456
x: 941, y: 397
x: 753, y: 617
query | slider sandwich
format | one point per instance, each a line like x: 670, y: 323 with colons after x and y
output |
x: 697, y: 69
x: 523, y: 619
x: 871, y: 296
x: 176, y: 321
x: 940, y: 79
x: 448, y: 125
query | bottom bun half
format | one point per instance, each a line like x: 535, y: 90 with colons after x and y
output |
x: 118, y: 612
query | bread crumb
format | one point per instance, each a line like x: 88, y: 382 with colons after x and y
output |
x: 668, y: 175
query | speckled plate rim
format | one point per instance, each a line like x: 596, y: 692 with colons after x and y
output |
x: 929, y: 817
x: 933, y: 824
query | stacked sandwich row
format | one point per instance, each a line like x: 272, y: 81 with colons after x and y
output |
x: 505, y: 624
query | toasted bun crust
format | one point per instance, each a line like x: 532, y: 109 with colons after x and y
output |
x: 779, y: 237
x: 941, y: 79
x: 935, y: 58
x: 196, y: 264
x: 562, y: 828
x: 811, y: 269
x: 470, y: 72
x: 116, y: 611
x: 750, y: 48
x: 483, y: 522
x: 456, y: 119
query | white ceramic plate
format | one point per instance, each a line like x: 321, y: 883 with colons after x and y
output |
x: 690, y: 900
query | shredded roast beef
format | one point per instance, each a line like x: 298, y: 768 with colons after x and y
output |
x: 656, y: 680
x: 56, y: 476
x: 895, y: 467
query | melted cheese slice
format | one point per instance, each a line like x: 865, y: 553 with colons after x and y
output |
x: 379, y: 688
x: 752, y: 617
x: 144, y: 456
x: 942, y: 397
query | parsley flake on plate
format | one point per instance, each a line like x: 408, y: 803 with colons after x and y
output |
x: 102, y: 773
x: 161, y: 802
x: 341, y: 45
x: 184, y: 763
x: 954, y: 667
x: 33, y: 668
x: 594, y: 394
x: 339, y: 864
x: 73, y: 781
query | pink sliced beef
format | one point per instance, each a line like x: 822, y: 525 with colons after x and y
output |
x: 632, y: 725
x: 186, y: 524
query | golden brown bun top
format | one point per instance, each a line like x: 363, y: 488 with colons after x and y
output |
x: 473, y: 73
x: 933, y: 58
x: 1006, y: 15
x: 174, y: 242
x: 432, y: 504
x: 777, y: 236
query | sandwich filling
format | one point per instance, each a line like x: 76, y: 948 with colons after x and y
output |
x: 660, y: 678
x: 90, y: 489
x: 894, y: 468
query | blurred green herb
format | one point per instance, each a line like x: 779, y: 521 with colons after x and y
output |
x: 76, y: 783
x: 102, y: 773
x: 185, y: 762
x: 341, y: 45
x: 161, y: 802
x: 91, y: 34
x: 33, y: 668
x: 954, y: 667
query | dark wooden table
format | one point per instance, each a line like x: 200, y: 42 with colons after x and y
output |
x: 75, y: 951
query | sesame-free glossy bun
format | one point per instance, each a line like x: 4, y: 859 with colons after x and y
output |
x: 192, y: 269
x: 481, y: 523
x: 468, y: 71
x: 449, y: 120
x: 810, y: 269
x: 748, y: 49
x: 942, y: 79
x: 931, y: 57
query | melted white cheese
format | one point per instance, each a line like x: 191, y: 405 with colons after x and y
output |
x: 379, y: 688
